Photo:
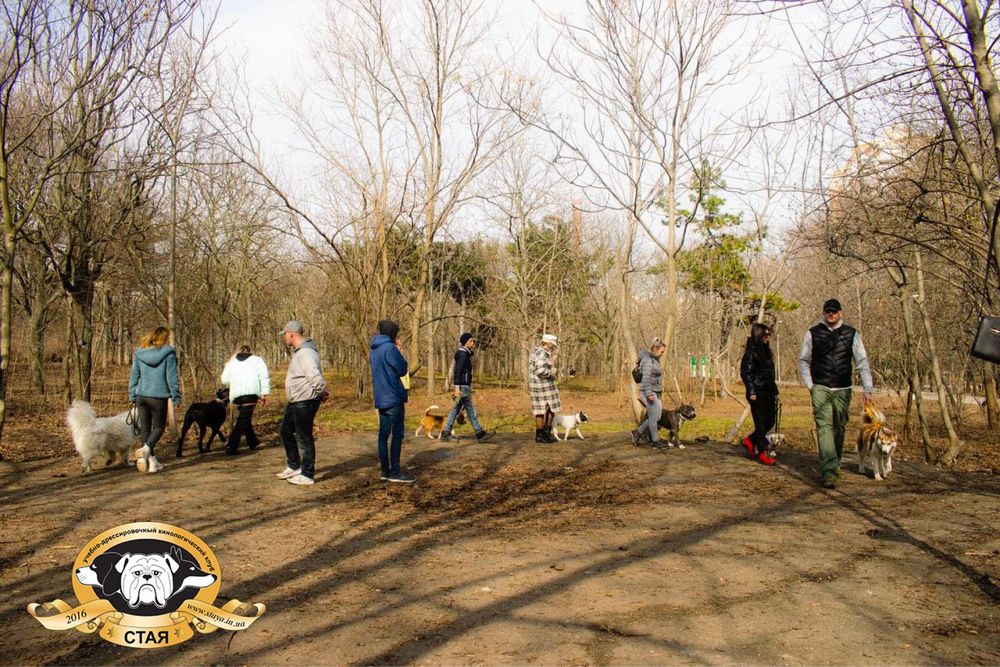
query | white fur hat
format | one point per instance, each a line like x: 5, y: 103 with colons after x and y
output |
x: 550, y: 338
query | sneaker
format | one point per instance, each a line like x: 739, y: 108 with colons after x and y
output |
x: 153, y: 465
x: 765, y: 459
x: 483, y: 436
x: 680, y: 446
x: 384, y: 477
x: 300, y: 479
x: 659, y: 444
x: 635, y: 438
x: 402, y: 478
x: 142, y: 458
x: 829, y: 481
x: 749, y: 445
x: 288, y: 472
x: 445, y: 436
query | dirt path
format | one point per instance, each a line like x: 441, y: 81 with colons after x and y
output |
x: 588, y: 552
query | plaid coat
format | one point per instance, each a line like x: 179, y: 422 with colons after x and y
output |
x: 542, y: 382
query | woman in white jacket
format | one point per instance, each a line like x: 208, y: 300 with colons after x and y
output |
x: 249, y: 383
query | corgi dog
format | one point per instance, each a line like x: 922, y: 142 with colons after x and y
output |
x: 435, y: 422
x: 876, y: 443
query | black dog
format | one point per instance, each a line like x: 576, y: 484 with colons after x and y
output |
x: 672, y: 420
x: 210, y: 415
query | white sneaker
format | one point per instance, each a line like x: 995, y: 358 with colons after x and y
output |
x: 142, y: 458
x: 288, y: 472
x: 680, y: 446
x: 300, y: 479
x: 153, y: 465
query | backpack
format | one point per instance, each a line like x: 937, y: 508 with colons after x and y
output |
x: 637, y: 372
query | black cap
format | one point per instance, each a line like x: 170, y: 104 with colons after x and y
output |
x: 464, y: 338
x: 832, y: 304
x: 388, y: 328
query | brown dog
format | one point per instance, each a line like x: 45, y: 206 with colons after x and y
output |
x: 876, y: 443
x: 435, y: 422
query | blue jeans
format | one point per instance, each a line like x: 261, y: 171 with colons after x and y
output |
x: 390, y: 421
x: 464, y: 400
x: 296, y: 433
x: 654, y: 409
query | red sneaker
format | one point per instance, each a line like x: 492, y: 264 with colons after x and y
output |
x: 765, y: 459
x: 748, y: 445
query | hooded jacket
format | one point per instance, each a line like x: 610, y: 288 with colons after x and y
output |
x: 388, y: 366
x: 154, y: 374
x: 247, y: 378
x: 304, y: 379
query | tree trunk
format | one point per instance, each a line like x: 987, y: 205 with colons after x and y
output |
x: 36, y: 350
x: 954, y: 443
x: 82, y: 303
x: 992, y: 404
x: 910, y: 335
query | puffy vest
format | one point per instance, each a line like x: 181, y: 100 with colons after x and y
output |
x: 832, y: 355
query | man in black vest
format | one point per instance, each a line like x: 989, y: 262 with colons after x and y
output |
x: 828, y: 350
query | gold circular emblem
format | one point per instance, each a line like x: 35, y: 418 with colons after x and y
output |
x: 146, y: 570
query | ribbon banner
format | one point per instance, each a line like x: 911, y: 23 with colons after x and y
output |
x: 147, y: 632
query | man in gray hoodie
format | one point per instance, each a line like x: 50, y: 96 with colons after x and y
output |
x: 305, y: 389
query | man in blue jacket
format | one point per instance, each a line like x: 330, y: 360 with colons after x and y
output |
x: 388, y: 368
x: 462, y: 380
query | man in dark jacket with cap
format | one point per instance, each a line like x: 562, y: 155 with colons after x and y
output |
x: 828, y: 350
x: 388, y: 368
x: 462, y: 380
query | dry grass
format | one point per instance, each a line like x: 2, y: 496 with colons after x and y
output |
x: 35, y: 427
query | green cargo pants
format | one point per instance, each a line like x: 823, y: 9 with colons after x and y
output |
x: 831, y: 410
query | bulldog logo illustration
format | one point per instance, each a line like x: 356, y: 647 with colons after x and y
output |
x: 146, y: 585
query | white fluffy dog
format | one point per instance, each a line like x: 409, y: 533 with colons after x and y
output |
x: 95, y: 436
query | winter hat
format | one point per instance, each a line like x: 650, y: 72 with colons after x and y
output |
x: 464, y: 338
x: 388, y: 328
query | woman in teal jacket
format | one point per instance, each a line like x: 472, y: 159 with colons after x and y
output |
x: 152, y: 382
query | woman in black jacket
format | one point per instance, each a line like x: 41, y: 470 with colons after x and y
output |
x: 757, y: 373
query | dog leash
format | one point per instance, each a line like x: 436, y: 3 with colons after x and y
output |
x: 132, y: 419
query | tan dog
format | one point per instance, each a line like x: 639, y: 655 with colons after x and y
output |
x: 431, y: 422
x: 876, y: 443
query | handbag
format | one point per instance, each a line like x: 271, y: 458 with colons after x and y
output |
x: 986, y: 344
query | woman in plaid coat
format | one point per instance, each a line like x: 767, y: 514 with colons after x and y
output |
x: 542, y: 387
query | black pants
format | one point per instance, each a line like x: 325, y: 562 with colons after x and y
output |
x: 152, y: 419
x: 764, y: 411
x: 296, y: 433
x: 244, y: 426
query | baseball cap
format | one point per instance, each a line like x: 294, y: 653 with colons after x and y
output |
x: 550, y: 338
x: 294, y: 326
x: 831, y: 304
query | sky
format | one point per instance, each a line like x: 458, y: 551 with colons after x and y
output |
x: 270, y: 37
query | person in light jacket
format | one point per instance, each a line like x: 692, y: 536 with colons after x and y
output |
x: 650, y: 393
x: 306, y: 389
x: 249, y: 384
x: 543, y: 388
x: 153, y: 380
